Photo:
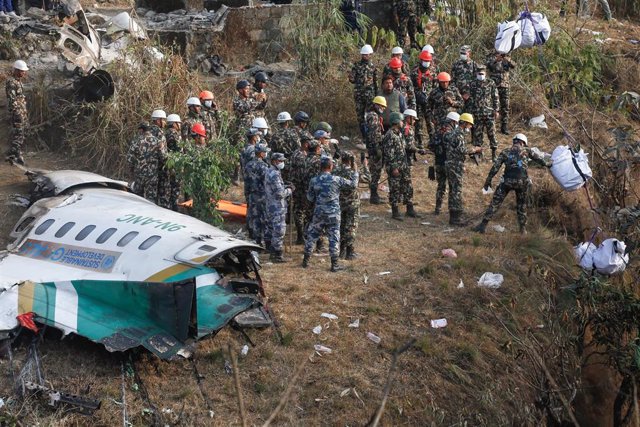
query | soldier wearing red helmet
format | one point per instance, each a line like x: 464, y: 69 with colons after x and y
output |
x: 423, y: 78
x: 402, y: 82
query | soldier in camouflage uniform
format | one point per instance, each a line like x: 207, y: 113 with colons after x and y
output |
x: 169, y: 185
x: 17, y: 106
x: 456, y: 152
x: 447, y: 125
x: 244, y: 108
x: 398, y: 172
x: 349, y: 206
x: 483, y: 103
x: 146, y: 156
x: 297, y: 176
x: 248, y: 152
x: 194, y: 115
x: 285, y: 140
x: 405, y: 15
x: 402, y: 83
x: 254, y: 179
x: 210, y: 114
x: 424, y: 80
x: 276, y: 208
x: 373, y: 141
x: 301, y: 122
x: 396, y: 52
x: 443, y: 99
x: 409, y: 135
x: 261, y: 81
x: 499, y: 67
x: 463, y: 71
x: 324, y: 192
x: 516, y: 162
x: 364, y: 78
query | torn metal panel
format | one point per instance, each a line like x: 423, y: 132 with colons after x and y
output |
x: 84, y: 405
x: 52, y: 183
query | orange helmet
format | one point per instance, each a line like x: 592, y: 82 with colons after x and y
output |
x: 205, y: 94
x: 425, y: 56
x: 395, y: 63
x: 444, y: 77
x: 199, y: 129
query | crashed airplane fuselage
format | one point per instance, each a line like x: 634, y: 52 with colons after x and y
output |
x: 91, y: 258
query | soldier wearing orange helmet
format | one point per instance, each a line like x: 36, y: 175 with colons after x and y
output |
x: 210, y: 113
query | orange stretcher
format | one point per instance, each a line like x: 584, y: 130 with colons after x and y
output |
x: 233, y: 211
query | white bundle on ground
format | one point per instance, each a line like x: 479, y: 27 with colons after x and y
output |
x: 610, y: 258
x: 570, y: 170
x: 509, y: 37
x: 584, y: 255
x: 535, y: 29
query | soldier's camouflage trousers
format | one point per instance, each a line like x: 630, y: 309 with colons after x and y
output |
x: 168, y: 191
x: 319, y: 225
x: 299, y: 208
x: 147, y: 187
x: 481, y: 124
x: 375, y: 168
x: 521, y: 187
x: 18, y: 125
x: 441, y: 178
x: 423, y: 124
x: 350, y: 217
x: 256, y: 215
x: 400, y: 187
x: 363, y: 100
x: 407, y: 23
x: 503, y: 94
x: 455, y: 172
x: 274, y: 230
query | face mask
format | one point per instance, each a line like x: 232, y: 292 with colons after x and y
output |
x: 426, y: 64
x: 467, y: 130
x: 463, y: 57
x: 481, y: 77
x: 208, y: 104
x: 280, y: 165
x: 264, y: 132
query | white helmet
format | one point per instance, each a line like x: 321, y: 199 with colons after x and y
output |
x: 260, y: 123
x: 410, y: 113
x: 366, y: 50
x: 283, y: 117
x: 453, y: 116
x: 521, y: 137
x: 20, y: 65
x: 158, y: 114
x: 194, y: 101
x: 429, y: 49
x: 397, y: 51
x: 173, y: 118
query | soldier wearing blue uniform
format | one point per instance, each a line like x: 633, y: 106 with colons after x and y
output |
x: 254, y: 176
x: 324, y: 191
x: 276, y: 208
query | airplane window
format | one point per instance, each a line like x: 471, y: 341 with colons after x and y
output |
x: 85, y: 232
x: 148, y: 243
x: 44, y: 226
x: 206, y: 248
x: 127, y: 238
x: 105, y: 235
x: 25, y: 223
x: 65, y: 229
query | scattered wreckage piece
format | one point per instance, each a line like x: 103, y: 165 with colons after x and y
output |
x: 83, y: 405
x: 93, y: 259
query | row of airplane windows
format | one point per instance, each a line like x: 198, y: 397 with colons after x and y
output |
x: 102, y: 238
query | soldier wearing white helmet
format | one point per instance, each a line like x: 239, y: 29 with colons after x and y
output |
x: 516, y: 177
x: 194, y: 115
x: 364, y: 78
x: 17, y: 106
x: 169, y: 186
x: 285, y: 140
x: 409, y: 134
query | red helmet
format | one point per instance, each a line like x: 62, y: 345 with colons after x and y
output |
x: 199, y: 129
x: 205, y: 94
x: 444, y: 77
x: 425, y: 56
x: 395, y: 63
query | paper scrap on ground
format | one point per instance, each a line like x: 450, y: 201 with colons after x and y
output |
x: 461, y: 284
x: 329, y: 316
x: 449, y: 253
x: 317, y: 330
x: 384, y: 273
x: 491, y: 280
x: 245, y: 350
x: 438, y: 323
x: 355, y: 324
x: 499, y: 228
x: 322, y: 349
x: 373, y: 337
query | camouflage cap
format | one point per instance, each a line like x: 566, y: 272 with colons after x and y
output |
x: 347, y: 156
x: 277, y: 156
x: 313, y: 144
x: 325, y: 161
x: 481, y: 67
x: 261, y: 148
x: 253, y: 132
x: 464, y: 49
x: 143, y: 125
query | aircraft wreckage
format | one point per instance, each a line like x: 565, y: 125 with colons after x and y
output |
x: 93, y: 259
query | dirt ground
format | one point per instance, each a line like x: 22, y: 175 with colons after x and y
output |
x: 478, y: 370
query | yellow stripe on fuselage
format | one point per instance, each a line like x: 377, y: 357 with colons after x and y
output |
x: 25, y: 297
x: 163, y: 275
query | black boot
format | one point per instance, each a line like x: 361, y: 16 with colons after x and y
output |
x: 351, y: 254
x: 482, y: 227
x: 411, y: 212
x: 335, y: 266
x: 305, y: 260
x: 504, y: 129
x: 276, y: 257
x: 456, y: 219
x: 493, y: 154
x: 267, y: 245
x: 320, y: 246
x: 374, y: 199
x: 300, y: 239
x: 395, y: 213
x: 438, y: 208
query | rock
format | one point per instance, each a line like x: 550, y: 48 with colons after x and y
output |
x: 150, y: 14
x: 46, y: 46
x: 178, y: 12
x: 160, y: 17
x: 49, y: 58
x: 141, y: 11
x: 205, y: 66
